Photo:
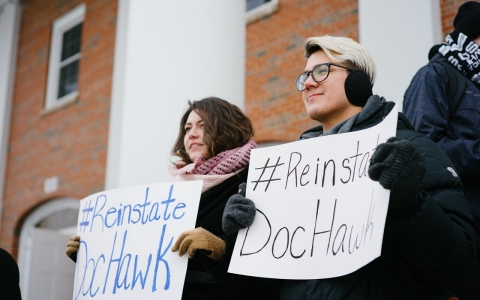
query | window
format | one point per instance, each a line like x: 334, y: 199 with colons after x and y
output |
x: 62, y: 85
x: 258, y: 9
x: 251, y: 4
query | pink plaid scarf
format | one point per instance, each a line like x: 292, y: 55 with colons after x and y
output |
x: 224, y: 163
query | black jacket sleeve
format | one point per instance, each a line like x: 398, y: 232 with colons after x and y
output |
x: 441, y: 238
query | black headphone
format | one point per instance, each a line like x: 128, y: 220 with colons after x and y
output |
x: 358, y: 88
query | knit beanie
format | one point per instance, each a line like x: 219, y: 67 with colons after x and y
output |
x: 467, y: 20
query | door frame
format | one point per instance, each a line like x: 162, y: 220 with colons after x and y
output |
x: 26, y: 236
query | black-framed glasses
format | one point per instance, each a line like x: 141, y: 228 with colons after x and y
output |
x: 319, y: 73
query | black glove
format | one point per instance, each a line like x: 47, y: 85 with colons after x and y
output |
x: 239, y: 212
x: 398, y: 166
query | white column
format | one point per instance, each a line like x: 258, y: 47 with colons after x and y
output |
x: 168, y: 52
x: 398, y: 34
x: 9, y: 29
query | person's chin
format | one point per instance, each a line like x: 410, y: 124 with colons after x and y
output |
x: 194, y: 155
x: 315, y: 114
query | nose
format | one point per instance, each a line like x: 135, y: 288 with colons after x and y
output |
x: 192, y: 133
x: 310, y: 82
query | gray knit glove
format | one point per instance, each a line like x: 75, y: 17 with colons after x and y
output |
x: 239, y: 212
x: 398, y: 166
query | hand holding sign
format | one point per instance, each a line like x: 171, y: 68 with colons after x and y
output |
x: 72, y: 245
x: 398, y: 166
x: 200, y: 239
x: 239, y: 212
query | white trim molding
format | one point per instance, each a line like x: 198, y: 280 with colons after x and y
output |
x: 10, y: 17
x: 261, y: 11
x: 61, y: 25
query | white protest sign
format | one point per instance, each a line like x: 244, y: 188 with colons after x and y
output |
x: 319, y: 215
x: 126, y: 239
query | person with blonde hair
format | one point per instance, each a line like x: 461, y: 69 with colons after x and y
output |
x: 430, y: 235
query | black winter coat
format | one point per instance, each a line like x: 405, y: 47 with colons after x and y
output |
x: 425, y: 104
x: 420, y: 253
x: 207, y: 279
x: 9, y: 277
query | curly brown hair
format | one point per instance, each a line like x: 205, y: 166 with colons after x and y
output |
x: 225, y: 127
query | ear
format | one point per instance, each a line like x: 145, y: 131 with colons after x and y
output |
x: 358, y: 88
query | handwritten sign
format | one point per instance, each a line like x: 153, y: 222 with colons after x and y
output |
x: 319, y: 215
x: 126, y: 237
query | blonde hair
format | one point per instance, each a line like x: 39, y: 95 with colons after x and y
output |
x: 343, y: 50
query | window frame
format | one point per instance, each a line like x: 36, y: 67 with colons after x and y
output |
x: 261, y: 11
x: 60, y: 26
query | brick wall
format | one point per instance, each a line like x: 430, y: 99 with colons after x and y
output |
x: 69, y: 143
x: 275, y: 59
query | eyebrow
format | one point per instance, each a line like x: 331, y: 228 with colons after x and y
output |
x: 190, y: 123
x: 305, y: 71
